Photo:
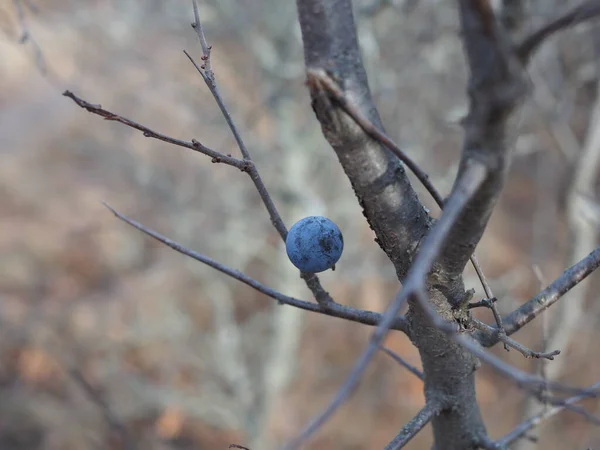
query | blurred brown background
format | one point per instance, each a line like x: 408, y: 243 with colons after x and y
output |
x: 184, y: 357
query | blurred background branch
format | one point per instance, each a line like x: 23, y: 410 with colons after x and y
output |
x: 149, y: 323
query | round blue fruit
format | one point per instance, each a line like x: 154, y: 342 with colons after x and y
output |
x: 314, y: 244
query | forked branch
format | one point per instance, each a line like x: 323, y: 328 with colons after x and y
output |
x: 516, y: 320
x: 334, y: 310
x: 413, y: 286
x: 318, y: 80
x: 245, y: 165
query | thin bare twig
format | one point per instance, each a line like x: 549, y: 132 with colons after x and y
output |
x: 27, y: 36
x: 472, y: 178
x: 109, y: 416
x: 335, y: 310
x: 197, y: 25
x: 538, y: 386
x: 522, y: 429
x: 320, y: 80
x: 245, y: 165
x: 485, y: 302
x: 209, y: 79
x: 216, y: 156
x: 207, y: 74
x: 396, y: 357
x: 412, y: 428
x: 587, y: 11
x: 526, y: 352
x: 546, y: 298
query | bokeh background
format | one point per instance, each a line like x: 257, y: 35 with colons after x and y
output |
x: 103, y: 330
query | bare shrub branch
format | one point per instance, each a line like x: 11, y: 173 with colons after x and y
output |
x: 516, y: 320
x: 334, y: 310
x: 412, y: 428
x: 245, y: 165
x: 216, y: 156
x: 429, y: 256
x: 96, y: 397
x: 413, y: 286
x: 587, y: 11
x: 522, y: 429
x: 396, y: 357
x: 526, y: 352
x: 497, y: 86
x: 319, y: 80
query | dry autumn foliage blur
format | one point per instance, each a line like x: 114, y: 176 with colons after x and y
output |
x: 186, y: 358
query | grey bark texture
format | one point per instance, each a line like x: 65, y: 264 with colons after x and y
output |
x: 391, y: 205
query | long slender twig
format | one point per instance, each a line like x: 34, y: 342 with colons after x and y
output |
x: 335, y: 310
x: 320, y: 80
x: 27, y: 36
x: 412, y: 428
x: 400, y: 360
x: 216, y: 156
x: 546, y: 298
x: 522, y: 429
x: 413, y: 285
x: 526, y: 352
x: 473, y: 177
x: 245, y: 165
x: 207, y: 74
x: 587, y: 11
x: 538, y: 386
x: 197, y: 26
x: 97, y: 399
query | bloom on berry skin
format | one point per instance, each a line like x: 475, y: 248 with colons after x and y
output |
x: 314, y: 244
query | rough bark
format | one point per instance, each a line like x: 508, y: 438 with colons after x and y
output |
x: 397, y: 217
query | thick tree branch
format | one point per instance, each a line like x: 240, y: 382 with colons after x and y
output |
x: 497, y: 85
x: 379, y: 180
x: 334, y: 310
x: 414, y: 287
x: 412, y: 428
x: 391, y: 206
x: 319, y: 80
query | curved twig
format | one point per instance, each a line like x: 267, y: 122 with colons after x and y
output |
x: 335, y: 310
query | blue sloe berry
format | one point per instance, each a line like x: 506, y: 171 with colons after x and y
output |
x: 314, y: 244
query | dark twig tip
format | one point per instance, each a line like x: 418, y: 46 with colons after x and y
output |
x: 111, y: 209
